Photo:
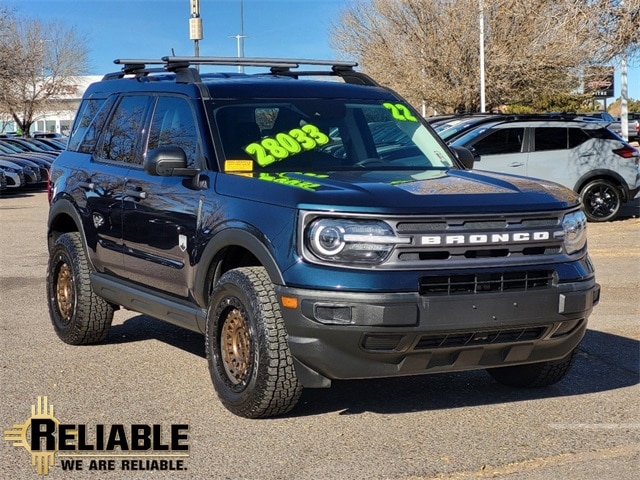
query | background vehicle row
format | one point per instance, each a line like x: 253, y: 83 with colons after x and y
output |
x: 26, y: 162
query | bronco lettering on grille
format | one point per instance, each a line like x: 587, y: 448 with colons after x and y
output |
x: 484, y: 239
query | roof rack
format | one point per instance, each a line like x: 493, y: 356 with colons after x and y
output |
x: 278, y: 66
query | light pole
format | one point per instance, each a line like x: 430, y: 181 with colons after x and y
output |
x: 195, y: 26
x: 482, y: 85
x: 240, y: 37
x: 624, y: 80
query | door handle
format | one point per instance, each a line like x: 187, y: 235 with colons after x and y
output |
x: 87, y: 185
x: 516, y: 164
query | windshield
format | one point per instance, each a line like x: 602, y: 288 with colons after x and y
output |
x: 325, y: 135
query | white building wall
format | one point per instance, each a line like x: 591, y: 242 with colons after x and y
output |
x: 60, y: 120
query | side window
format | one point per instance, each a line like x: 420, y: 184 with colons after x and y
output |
x: 174, y: 124
x: 577, y: 136
x: 550, y: 138
x: 86, y: 113
x: 125, y: 126
x: 88, y: 125
x: 503, y: 140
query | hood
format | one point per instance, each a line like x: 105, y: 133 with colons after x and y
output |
x: 399, y: 192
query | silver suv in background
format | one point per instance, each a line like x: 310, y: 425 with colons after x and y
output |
x: 582, y: 155
x: 633, y: 126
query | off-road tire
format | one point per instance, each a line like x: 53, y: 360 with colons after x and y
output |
x: 534, y: 375
x: 249, y: 359
x: 601, y: 200
x: 78, y: 315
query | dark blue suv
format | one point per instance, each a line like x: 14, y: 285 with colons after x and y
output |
x: 313, y: 227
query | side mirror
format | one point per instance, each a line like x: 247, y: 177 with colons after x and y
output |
x: 168, y: 161
x: 465, y: 156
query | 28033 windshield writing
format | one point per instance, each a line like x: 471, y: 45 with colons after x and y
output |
x: 284, y: 144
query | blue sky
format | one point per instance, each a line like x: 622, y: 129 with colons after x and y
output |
x: 152, y: 28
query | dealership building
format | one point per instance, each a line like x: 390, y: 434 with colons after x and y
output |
x: 60, y: 117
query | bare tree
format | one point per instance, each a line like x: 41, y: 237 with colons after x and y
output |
x: 38, y: 60
x: 428, y: 50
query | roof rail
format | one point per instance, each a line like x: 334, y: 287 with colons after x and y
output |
x: 278, y: 66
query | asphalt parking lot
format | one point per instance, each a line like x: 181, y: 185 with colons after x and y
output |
x: 449, y: 426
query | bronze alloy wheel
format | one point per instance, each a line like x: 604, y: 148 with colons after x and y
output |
x: 64, y: 292
x: 235, y: 344
x: 249, y: 359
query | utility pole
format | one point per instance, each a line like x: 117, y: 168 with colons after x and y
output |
x: 482, y: 85
x: 195, y: 26
x: 240, y: 37
x: 624, y: 93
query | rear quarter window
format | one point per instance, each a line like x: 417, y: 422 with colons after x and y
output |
x: 601, y: 133
x: 91, y: 115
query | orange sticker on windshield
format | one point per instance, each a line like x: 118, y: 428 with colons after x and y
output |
x: 238, y: 165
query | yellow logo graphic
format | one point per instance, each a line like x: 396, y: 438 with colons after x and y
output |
x: 42, y: 460
x: 138, y: 447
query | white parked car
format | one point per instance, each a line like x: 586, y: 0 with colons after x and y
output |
x: 582, y: 155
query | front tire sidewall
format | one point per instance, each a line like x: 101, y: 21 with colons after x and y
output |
x: 269, y: 386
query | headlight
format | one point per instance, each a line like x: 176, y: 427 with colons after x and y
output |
x: 575, y: 232
x: 351, y: 241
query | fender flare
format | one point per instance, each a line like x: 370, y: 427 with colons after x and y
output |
x: 63, y: 206
x: 233, y: 237
x: 595, y: 174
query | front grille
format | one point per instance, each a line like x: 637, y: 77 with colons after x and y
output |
x: 440, y: 243
x: 459, y: 241
x: 468, y: 339
x: 486, y: 282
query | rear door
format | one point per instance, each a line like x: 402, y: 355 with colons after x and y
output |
x: 103, y: 178
x: 553, y: 157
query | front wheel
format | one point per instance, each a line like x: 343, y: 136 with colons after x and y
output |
x: 601, y: 199
x: 246, y: 341
x: 540, y: 374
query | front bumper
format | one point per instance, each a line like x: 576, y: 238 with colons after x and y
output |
x: 346, y: 335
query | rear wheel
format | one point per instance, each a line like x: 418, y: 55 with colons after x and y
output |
x: 536, y: 374
x: 78, y: 315
x: 601, y: 199
x: 249, y: 359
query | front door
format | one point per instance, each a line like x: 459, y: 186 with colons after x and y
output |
x: 502, y: 151
x: 160, y: 213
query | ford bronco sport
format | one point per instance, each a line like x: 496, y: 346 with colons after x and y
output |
x: 312, y: 230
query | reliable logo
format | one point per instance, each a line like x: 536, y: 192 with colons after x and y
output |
x: 100, y: 447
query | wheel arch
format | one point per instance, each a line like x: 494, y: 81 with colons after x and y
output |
x: 228, y: 249
x: 608, y: 175
x: 63, y: 218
